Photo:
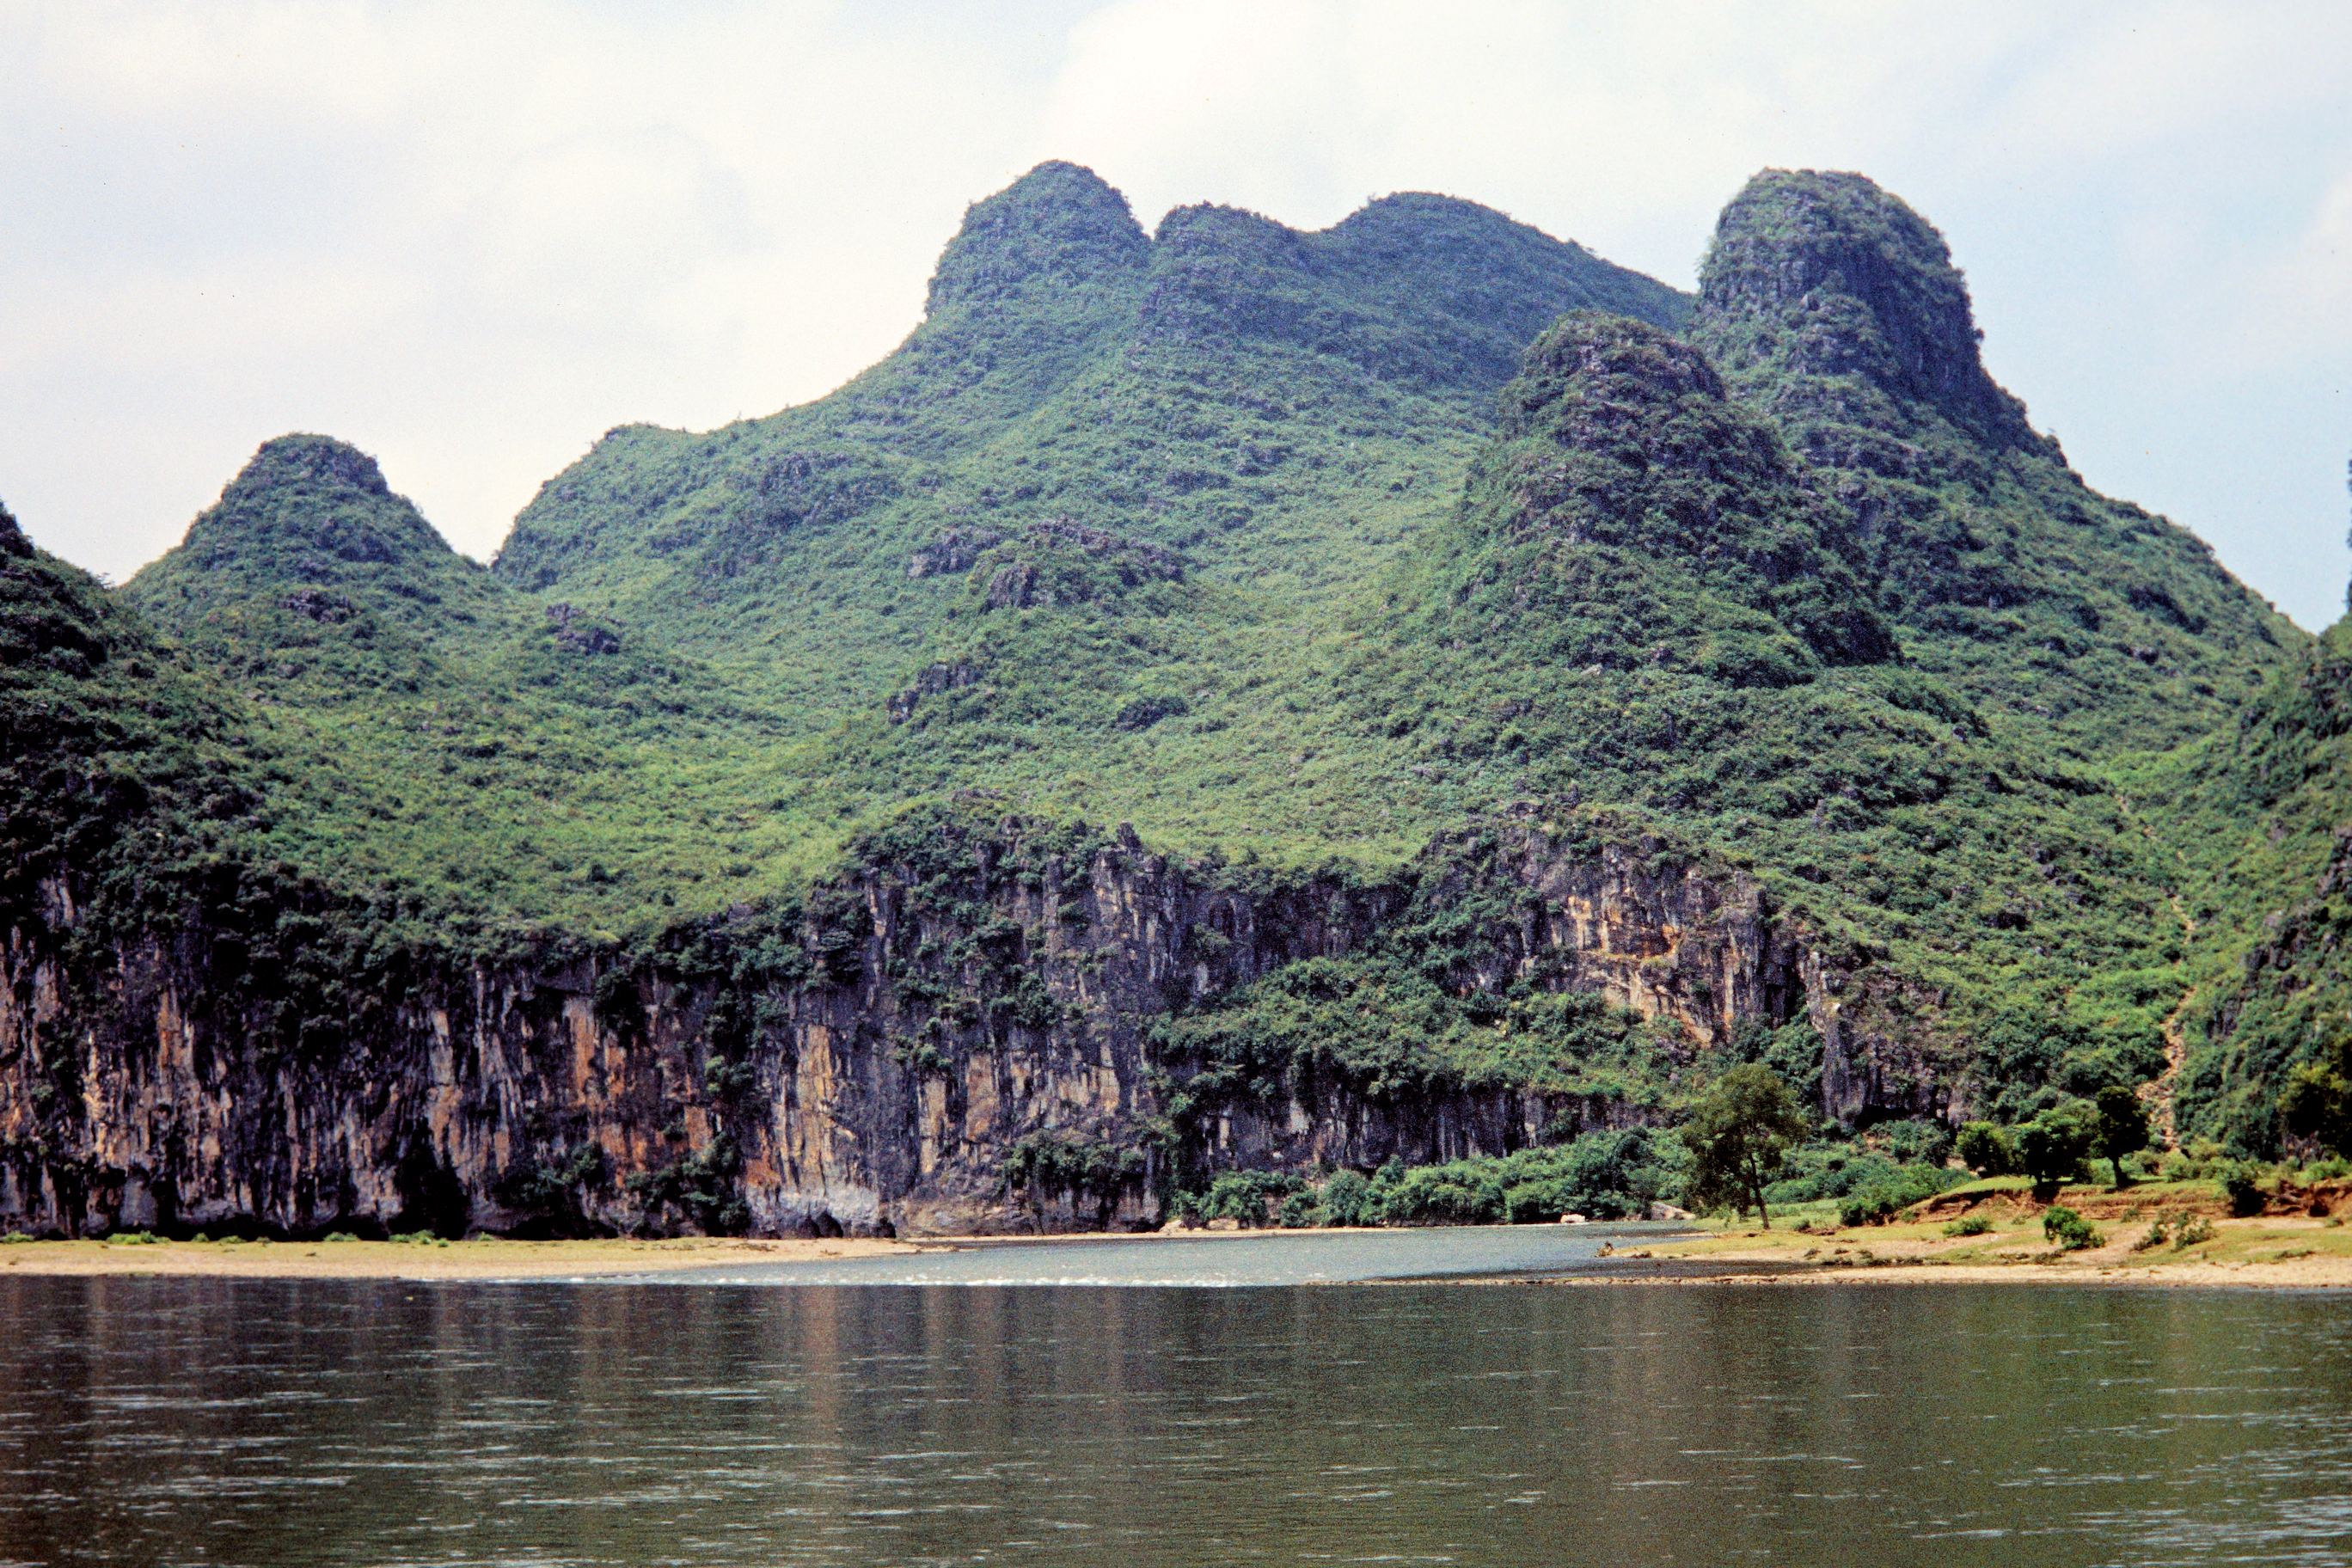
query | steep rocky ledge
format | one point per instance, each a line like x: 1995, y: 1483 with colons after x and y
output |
x: 863, y: 1062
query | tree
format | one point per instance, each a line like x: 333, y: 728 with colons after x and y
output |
x: 2052, y: 1146
x: 2316, y: 1103
x: 1737, y: 1132
x: 1986, y: 1148
x: 2123, y: 1127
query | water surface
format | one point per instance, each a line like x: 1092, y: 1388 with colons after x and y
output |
x: 1225, y: 1258
x: 196, y: 1421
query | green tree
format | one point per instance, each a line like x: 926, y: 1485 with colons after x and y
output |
x: 2123, y: 1127
x: 1987, y: 1148
x: 2316, y: 1103
x: 1737, y: 1132
x: 2053, y: 1145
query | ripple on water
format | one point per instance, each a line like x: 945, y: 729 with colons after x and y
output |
x: 297, y: 1422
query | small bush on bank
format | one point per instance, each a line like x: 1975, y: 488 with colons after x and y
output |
x: 1244, y: 1196
x: 2241, y: 1182
x: 1968, y: 1225
x: 2068, y: 1231
x: 1889, y: 1195
x: 1987, y: 1148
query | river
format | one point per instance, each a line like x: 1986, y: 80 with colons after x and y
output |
x: 265, y: 1421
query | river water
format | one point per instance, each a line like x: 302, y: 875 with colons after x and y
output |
x: 201, y: 1421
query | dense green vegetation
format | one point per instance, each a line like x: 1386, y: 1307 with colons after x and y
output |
x: 1294, y: 550
x: 2254, y: 816
x: 447, y: 738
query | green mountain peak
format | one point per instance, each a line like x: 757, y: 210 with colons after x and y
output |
x: 312, y: 508
x: 1846, y: 301
x: 310, y: 549
x: 1620, y: 457
x: 1058, y: 224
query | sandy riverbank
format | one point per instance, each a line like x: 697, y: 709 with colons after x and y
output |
x: 2275, y: 1252
x: 486, y: 1258
x: 494, y: 1258
x: 2278, y: 1253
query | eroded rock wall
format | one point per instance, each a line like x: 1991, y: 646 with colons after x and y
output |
x: 924, y: 1016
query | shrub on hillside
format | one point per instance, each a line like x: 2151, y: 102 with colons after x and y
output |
x: 1890, y: 1194
x: 2068, y: 1231
x: 2241, y: 1182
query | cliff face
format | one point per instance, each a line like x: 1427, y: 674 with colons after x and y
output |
x: 865, y: 1062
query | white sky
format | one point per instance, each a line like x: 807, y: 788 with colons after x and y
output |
x: 469, y: 238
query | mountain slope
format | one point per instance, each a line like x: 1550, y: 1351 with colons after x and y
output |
x: 115, y: 757
x: 2256, y: 817
x: 444, y: 736
x: 1834, y: 310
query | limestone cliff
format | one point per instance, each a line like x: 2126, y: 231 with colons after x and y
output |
x: 863, y: 1061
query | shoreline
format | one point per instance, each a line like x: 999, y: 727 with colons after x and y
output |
x: 485, y: 1257
x: 2278, y: 1253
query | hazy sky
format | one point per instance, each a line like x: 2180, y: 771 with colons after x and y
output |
x: 469, y: 238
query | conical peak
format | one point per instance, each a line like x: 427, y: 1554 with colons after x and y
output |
x: 305, y: 459
x: 1622, y: 476
x: 301, y: 500
x: 1815, y: 274
x: 1059, y: 222
x: 1625, y: 425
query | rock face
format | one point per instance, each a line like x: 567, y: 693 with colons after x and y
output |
x: 1847, y: 300
x: 864, y: 1062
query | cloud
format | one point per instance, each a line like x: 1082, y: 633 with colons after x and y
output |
x: 469, y: 238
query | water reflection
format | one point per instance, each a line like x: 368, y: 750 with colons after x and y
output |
x: 188, y: 1421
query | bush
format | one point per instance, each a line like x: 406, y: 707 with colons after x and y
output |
x: 1347, y: 1199
x: 1606, y: 1175
x: 2053, y: 1145
x: 1532, y: 1203
x: 1889, y: 1195
x: 2171, y: 1227
x: 1464, y: 1192
x: 1919, y: 1142
x: 2193, y: 1161
x: 1968, y: 1225
x: 1242, y: 1195
x: 2241, y: 1182
x: 2068, y: 1231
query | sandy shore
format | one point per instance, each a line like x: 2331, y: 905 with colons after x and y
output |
x: 485, y: 1257
x: 2276, y: 1253
x: 2253, y: 1254
x: 491, y: 1258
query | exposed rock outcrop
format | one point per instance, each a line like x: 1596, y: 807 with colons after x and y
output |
x: 864, y: 1062
x: 1846, y: 303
